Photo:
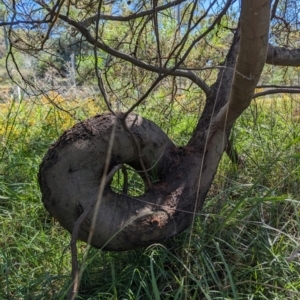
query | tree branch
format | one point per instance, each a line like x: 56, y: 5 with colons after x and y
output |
x: 209, y: 29
x: 277, y: 91
x: 87, y: 22
x: 255, y: 22
x: 19, y: 22
x: 273, y: 14
x: 278, y: 86
x: 182, y: 73
x: 280, y: 56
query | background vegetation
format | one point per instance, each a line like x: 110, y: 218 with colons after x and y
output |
x: 245, y: 242
x: 243, y: 245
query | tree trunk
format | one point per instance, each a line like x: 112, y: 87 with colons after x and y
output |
x: 71, y: 171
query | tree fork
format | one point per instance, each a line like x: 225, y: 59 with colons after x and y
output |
x: 71, y: 170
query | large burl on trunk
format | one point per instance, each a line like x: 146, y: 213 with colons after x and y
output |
x: 71, y: 172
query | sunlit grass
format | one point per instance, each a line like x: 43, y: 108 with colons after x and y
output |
x: 243, y: 245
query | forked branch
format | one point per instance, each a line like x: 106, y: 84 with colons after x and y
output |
x: 156, y: 69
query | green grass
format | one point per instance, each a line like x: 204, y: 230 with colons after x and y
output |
x: 242, y: 245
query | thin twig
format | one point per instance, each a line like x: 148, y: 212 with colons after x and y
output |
x: 76, y: 276
x: 125, y: 183
x: 167, y: 71
x: 87, y: 22
x: 110, y: 175
x: 98, y: 74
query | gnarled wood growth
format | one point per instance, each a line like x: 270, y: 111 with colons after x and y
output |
x: 71, y: 172
x: 72, y: 169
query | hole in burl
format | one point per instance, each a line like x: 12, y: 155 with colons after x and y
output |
x: 128, y: 181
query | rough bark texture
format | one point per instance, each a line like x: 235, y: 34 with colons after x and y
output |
x: 71, y: 171
x: 280, y: 56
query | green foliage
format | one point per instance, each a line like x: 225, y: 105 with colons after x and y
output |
x: 243, y: 244
x: 134, y: 184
